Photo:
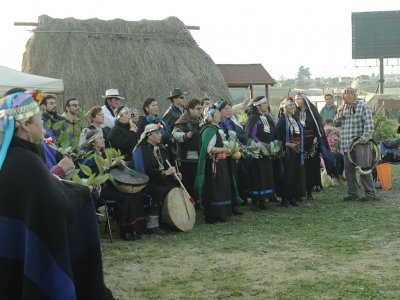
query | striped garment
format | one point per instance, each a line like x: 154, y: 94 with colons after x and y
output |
x: 359, y: 124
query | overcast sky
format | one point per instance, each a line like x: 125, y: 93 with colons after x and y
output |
x: 281, y: 35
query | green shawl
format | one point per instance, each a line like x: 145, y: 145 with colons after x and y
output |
x: 206, y: 137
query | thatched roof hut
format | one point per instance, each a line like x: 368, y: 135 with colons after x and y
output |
x: 142, y: 59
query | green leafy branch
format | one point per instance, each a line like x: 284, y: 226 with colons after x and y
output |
x: 252, y: 149
x: 232, y: 143
x: 113, y: 157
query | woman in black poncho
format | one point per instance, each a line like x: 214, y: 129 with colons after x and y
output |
x: 290, y: 133
x: 259, y: 174
x: 315, y: 142
x: 50, y: 244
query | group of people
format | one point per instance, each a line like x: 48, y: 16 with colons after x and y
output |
x: 190, y: 137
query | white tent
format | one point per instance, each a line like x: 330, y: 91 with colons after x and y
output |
x: 10, y: 78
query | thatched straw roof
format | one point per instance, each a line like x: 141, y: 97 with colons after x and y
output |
x: 142, y: 59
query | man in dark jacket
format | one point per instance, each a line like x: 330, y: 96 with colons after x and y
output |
x: 49, y: 108
x: 176, y: 109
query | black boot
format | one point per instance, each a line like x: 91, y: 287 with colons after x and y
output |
x: 236, y: 211
x: 210, y: 220
x: 262, y: 205
x: 285, y: 203
x: 127, y: 236
x: 293, y: 202
x: 310, y: 196
x: 254, y: 205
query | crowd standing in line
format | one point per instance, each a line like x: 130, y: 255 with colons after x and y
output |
x: 192, y: 133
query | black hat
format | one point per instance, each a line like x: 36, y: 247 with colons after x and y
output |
x: 175, y: 93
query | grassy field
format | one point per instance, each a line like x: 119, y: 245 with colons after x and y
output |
x: 324, y: 249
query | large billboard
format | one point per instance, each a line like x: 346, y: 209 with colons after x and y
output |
x: 375, y: 34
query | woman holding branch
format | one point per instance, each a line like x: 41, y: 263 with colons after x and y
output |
x: 259, y: 175
x: 129, y: 206
x: 187, y: 136
x: 212, y: 180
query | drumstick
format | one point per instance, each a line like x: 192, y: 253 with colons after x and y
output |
x: 176, y: 176
x: 133, y: 173
x: 190, y: 198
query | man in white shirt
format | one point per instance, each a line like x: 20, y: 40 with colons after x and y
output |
x: 111, y: 102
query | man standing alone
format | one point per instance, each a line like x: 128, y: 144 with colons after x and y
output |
x: 329, y: 110
x: 355, y: 119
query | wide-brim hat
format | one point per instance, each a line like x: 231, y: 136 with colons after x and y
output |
x: 176, y: 93
x: 112, y: 93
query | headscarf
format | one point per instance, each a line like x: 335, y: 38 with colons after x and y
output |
x: 14, y: 110
x: 300, y: 94
x: 148, y: 130
x: 208, y: 112
x: 324, y: 148
x: 121, y: 112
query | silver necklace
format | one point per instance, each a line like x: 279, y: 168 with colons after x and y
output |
x: 264, y: 120
x: 158, y: 157
x: 303, y: 117
x: 293, y: 126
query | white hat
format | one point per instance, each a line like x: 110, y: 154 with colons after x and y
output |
x: 112, y: 93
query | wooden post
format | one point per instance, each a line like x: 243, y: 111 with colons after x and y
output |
x: 251, y: 92
x: 266, y: 91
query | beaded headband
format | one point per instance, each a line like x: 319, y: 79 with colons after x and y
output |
x: 95, y: 136
x: 122, y: 112
x: 150, y: 128
x: 300, y: 94
x: 15, y: 107
x: 285, y: 102
x: 260, y: 101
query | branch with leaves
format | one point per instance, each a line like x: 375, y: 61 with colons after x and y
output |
x: 232, y: 143
x: 113, y: 158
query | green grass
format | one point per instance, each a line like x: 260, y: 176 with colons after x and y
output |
x: 325, y: 249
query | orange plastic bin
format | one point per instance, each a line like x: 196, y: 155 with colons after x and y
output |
x: 385, y: 176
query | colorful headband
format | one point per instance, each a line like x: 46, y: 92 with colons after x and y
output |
x: 150, y: 128
x: 95, y: 136
x: 285, y: 102
x: 122, y: 112
x: 15, y: 107
x: 300, y: 94
x: 260, y: 101
x: 209, y: 112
